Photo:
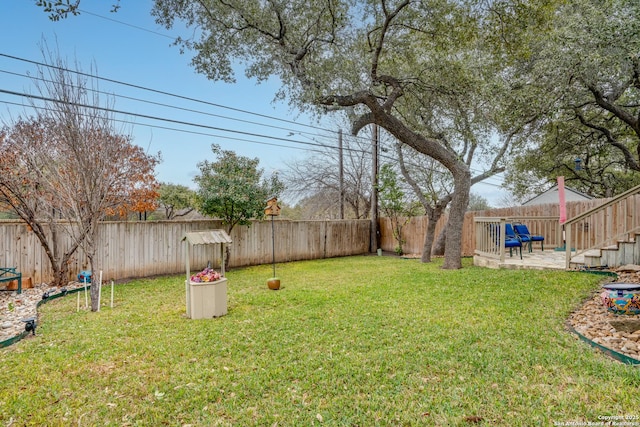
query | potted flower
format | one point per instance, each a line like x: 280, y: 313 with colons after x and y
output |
x: 206, y: 275
x: 207, y: 295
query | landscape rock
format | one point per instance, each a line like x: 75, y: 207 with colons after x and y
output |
x: 616, y: 332
x: 629, y: 268
x: 626, y: 325
x: 15, y: 307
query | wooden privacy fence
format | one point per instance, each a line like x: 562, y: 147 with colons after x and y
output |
x: 149, y: 248
x: 536, y: 217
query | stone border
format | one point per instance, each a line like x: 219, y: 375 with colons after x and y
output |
x: 24, y: 334
x: 606, y: 350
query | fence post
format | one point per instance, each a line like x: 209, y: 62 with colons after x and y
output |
x: 503, y: 222
x: 567, y: 247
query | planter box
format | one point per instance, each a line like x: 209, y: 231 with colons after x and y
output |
x: 13, y: 284
x: 27, y: 283
x: 208, y: 299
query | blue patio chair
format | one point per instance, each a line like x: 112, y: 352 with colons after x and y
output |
x: 510, y: 239
x: 510, y: 233
x: 522, y: 232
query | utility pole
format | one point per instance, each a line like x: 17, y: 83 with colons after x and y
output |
x: 341, y: 174
x: 374, y: 190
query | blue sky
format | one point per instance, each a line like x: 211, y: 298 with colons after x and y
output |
x: 147, y: 58
x: 129, y: 47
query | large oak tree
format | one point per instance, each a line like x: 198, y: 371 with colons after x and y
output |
x: 407, y: 66
x: 588, y: 64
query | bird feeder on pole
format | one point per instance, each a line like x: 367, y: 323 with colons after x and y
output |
x: 273, y: 210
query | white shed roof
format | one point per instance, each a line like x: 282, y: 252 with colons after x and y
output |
x: 207, y: 237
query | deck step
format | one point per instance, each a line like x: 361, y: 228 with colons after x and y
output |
x: 625, y: 252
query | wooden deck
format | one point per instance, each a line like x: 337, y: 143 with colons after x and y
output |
x: 548, y: 259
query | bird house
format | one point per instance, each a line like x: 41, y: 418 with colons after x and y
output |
x: 272, y: 208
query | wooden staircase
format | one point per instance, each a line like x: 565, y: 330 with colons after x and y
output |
x: 622, y: 253
x: 607, y: 235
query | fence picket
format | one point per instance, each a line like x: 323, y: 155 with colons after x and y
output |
x: 139, y: 249
x: 414, y: 231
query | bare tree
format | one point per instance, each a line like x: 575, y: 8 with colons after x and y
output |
x: 67, y: 167
x: 23, y: 190
x: 318, y: 174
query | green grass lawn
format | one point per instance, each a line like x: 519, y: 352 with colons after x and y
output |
x: 359, y: 341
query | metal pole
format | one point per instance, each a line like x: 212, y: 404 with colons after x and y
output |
x: 374, y: 190
x: 273, y: 247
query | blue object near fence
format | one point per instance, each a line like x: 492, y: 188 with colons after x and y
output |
x: 84, y: 274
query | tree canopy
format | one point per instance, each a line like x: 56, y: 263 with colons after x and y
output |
x: 59, y: 9
x: 409, y: 67
x: 232, y: 188
x: 176, y: 200
x: 588, y: 65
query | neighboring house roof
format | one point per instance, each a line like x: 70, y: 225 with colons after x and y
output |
x: 551, y: 196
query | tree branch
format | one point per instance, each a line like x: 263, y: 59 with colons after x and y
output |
x: 389, y: 16
x: 629, y: 159
x: 620, y: 113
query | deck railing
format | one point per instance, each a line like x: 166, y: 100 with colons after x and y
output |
x: 614, y: 221
x: 486, y: 240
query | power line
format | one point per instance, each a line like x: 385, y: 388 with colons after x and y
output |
x: 161, y: 104
x: 161, y: 92
x: 313, y: 144
x: 334, y: 132
x: 147, y: 116
x: 127, y: 24
x: 317, y: 144
x: 197, y: 111
x: 324, y: 146
x: 192, y: 132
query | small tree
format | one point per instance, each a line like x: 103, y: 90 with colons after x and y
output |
x: 394, y: 204
x: 478, y: 203
x: 233, y: 189
x: 174, y: 198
